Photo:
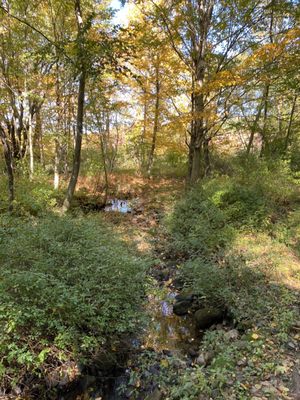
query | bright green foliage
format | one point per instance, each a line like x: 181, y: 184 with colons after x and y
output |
x: 68, y: 288
x: 197, y: 226
x: 35, y: 198
x: 208, y: 218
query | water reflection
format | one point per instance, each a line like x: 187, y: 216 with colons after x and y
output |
x: 166, y: 330
x: 117, y: 205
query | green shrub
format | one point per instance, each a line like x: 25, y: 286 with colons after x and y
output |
x: 245, y: 290
x: 197, y: 226
x: 35, y: 197
x: 206, y: 280
x: 208, y: 217
x: 67, y: 287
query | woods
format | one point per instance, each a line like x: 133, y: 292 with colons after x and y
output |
x: 149, y: 202
x: 203, y: 72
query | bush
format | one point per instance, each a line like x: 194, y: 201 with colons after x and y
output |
x: 209, y: 216
x: 197, y: 226
x: 243, y: 286
x: 206, y: 280
x: 31, y: 197
x: 67, y: 287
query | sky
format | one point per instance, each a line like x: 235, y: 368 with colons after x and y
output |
x: 121, y: 15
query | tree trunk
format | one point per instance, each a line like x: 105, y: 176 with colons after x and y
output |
x: 198, y: 136
x: 264, y: 136
x: 199, y: 35
x: 156, y: 121
x: 144, y: 134
x: 56, y: 164
x: 104, y: 157
x: 207, y: 165
x: 78, y: 142
x: 9, y: 169
x: 80, y: 108
x: 30, y: 144
x: 38, y: 136
x: 289, y: 129
x: 254, y: 126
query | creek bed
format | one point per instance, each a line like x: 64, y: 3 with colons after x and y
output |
x: 164, y: 333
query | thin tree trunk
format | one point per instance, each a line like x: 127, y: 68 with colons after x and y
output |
x: 207, y: 168
x: 56, y: 164
x: 78, y: 142
x: 264, y: 136
x: 9, y: 169
x: 144, y: 133
x: 190, y: 144
x: 289, y: 129
x: 156, y: 121
x: 57, y: 140
x: 253, y: 127
x: 199, y: 136
x: 265, y: 142
x: 199, y: 36
x: 38, y: 136
x: 30, y: 144
x: 105, y: 170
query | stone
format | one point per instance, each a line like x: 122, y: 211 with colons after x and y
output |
x: 208, y: 316
x: 185, y: 297
x: 243, y: 362
x: 201, y: 360
x: 204, y: 359
x: 164, y: 274
x: 233, y: 334
x: 193, y: 352
x: 182, y: 307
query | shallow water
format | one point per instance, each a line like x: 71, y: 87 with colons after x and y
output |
x: 117, y: 205
x: 167, y: 331
x: 164, y: 332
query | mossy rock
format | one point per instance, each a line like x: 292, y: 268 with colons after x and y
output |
x: 206, y: 317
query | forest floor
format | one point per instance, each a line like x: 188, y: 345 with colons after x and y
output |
x: 265, y: 369
x: 170, y: 358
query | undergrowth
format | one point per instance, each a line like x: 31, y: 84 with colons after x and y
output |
x: 69, y: 290
x: 238, y: 239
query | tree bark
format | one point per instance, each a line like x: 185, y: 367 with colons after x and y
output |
x: 104, y: 157
x: 254, y: 126
x: 80, y: 109
x: 156, y: 120
x: 289, y: 129
x: 199, y: 36
x: 142, y: 155
x: 38, y: 136
x: 9, y: 168
x: 78, y: 142
x: 30, y: 145
x: 264, y: 136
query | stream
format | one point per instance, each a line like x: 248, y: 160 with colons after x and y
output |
x: 164, y: 332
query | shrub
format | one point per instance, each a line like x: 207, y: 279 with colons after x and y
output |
x: 206, y: 280
x: 67, y: 287
x: 197, y: 226
x: 244, y: 287
x: 31, y: 197
x: 209, y: 216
